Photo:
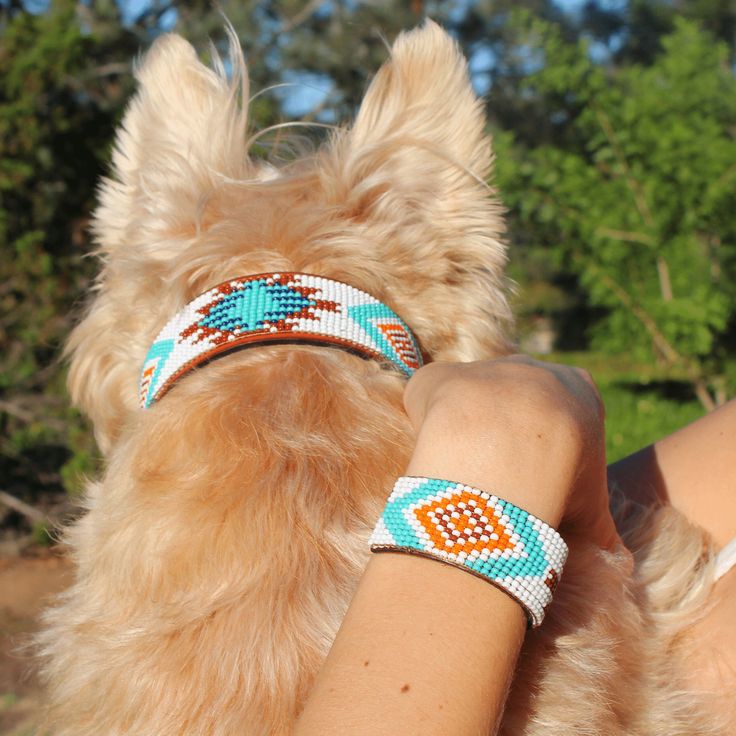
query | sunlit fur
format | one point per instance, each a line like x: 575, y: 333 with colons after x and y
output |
x: 223, y: 542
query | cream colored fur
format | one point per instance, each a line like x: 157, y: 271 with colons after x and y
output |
x: 223, y: 543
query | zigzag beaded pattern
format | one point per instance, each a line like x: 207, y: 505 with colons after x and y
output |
x: 274, y: 307
x: 480, y: 532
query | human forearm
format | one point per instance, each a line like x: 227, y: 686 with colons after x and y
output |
x: 425, y: 647
x: 693, y: 469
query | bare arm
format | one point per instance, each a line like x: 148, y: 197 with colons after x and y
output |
x: 693, y: 469
x: 427, y: 648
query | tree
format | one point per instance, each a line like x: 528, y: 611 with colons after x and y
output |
x: 52, y: 141
x: 637, y: 199
x: 633, y: 31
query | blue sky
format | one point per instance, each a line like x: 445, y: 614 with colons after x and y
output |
x: 314, y: 89
x: 307, y: 91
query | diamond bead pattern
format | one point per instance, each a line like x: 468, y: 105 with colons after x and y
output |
x: 486, y: 535
x: 275, y: 307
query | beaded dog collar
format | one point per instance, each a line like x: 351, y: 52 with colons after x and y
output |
x: 275, y: 307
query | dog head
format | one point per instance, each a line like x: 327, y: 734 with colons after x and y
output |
x: 395, y: 205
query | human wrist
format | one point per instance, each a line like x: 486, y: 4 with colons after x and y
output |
x: 534, y: 467
x: 477, y: 531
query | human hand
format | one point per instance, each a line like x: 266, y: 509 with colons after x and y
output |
x: 529, y: 431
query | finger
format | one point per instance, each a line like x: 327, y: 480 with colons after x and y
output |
x: 586, y: 377
x: 420, y: 387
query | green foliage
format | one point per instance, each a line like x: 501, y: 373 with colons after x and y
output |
x: 643, y: 403
x: 636, y: 417
x: 53, y: 138
x: 637, y: 200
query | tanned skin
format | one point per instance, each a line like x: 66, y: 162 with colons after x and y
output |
x: 426, y: 648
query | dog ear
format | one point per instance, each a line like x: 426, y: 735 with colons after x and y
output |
x: 422, y: 98
x: 182, y: 133
x: 415, y: 165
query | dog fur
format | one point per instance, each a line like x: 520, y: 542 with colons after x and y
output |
x: 222, y: 545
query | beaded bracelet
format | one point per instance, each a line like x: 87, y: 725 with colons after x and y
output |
x: 479, y: 532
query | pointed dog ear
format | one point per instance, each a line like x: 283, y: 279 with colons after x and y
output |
x: 422, y: 95
x: 183, y: 131
x: 412, y: 171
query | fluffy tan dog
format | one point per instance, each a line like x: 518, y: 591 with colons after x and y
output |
x: 223, y: 543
